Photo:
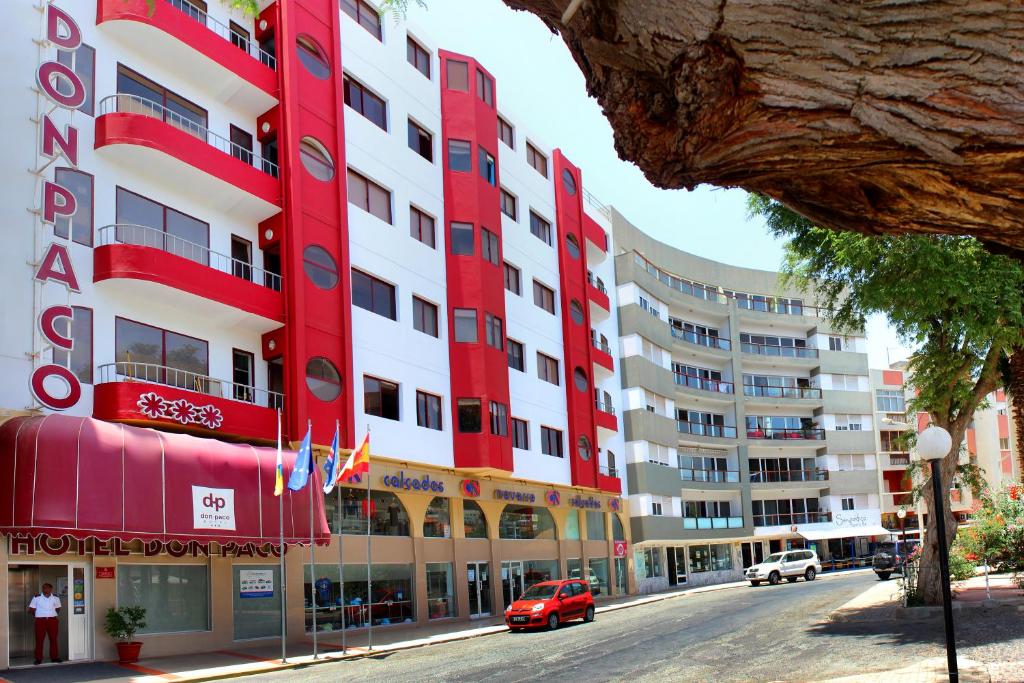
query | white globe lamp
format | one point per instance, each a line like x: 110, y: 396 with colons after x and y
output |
x: 934, y: 443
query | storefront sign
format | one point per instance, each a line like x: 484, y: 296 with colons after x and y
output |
x: 849, y: 519
x: 255, y: 583
x: 105, y: 572
x: 30, y: 544
x: 619, y: 548
x: 404, y: 483
x: 78, y: 590
x: 614, y: 504
x: 515, y: 496
x: 553, y: 497
x: 470, y: 488
x: 213, y: 508
x: 588, y: 503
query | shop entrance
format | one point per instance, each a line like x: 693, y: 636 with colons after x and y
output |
x: 511, y: 581
x: 70, y: 584
x: 479, y: 576
x: 676, y: 566
x: 753, y: 553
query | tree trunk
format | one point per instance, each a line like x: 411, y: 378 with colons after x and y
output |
x: 1016, y: 394
x: 877, y: 117
x: 930, y: 578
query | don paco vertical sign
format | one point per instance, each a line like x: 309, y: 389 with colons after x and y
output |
x: 55, y: 386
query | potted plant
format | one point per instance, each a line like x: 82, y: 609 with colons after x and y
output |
x: 121, y: 625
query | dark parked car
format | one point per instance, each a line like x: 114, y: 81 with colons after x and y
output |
x: 890, y: 557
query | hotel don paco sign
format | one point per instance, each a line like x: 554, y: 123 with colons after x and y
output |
x: 64, y: 89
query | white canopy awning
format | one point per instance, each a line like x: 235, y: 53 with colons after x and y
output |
x: 845, y: 532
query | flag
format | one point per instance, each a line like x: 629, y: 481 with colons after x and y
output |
x: 303, y: 463
x: 279, y: 468
x: 358, y: 462
x: 333, y: 465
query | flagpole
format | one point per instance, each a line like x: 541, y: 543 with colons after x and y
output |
x: 341, y: 544
x: 312, y: 560
x: 369, y: 562
x: 280, y: 524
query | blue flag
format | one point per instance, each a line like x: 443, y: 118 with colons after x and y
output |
x: 303, y: 464
x: 332, y: 467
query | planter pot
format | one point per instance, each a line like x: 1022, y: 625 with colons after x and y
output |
x: 128, y: 653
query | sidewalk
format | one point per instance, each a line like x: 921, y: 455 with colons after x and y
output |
x: 223, y: 664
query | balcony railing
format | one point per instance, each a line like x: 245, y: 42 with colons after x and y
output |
x: 123, y: 103
x: 237, y: 39
x: 712, y: 523
x: 703, y: 383
x: 605, y: 407
x: 601, y: 346
x: 812, y: 433
x: 792, y: 518
x: 701, y: 429
x: 780, y: 392
x: 780, y: 351
x: 716, y: 476
x: 776, y: 476
x: 701, y: 339
x: 145, y: 236
x: 899, y: 459
x: 608, y: 471
x: 597, y: 204
x: 596, y: 282
x: 130, y: 371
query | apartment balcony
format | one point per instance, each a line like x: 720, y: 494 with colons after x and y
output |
x: 226, y: 63
x: 597, y: 295
x: 791, y: 354
x: 169, y: 398
x: 781, y: 311
x: 704, y: 523
x: 703, y: 344
x: 788, y: 519
x: 606, y: 416
x: 893, y: 501
x: 793, y: 437
x: 788, y: 476
x: 150, y: 140
x: 704, y: 388
x: 895, y: 461
x: 708, y: 479
x: 602, y: 355
x: 142, y: 262
x: 782, y: 396
x: 705, y: 433
x: 608, y: 480
x: 596, y: 240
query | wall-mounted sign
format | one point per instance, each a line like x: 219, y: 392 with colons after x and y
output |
x: 588, y: 503
x: 419, y: 483
x: 78, y: 590
x: 515, y: 496
x: 470, y: 488
x: 213, y: 508
x: 105, y: 572
x: 619, y: 548
x: 614, y: 504
x: 553, y: 497
x: 255, y: 583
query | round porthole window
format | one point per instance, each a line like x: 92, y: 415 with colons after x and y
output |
x: 315, y: 159
x: 583, y: 448
x: 576, y: 312
x: 320, y: 267
x: 568, y: 182
x: 580, y: 379
x: 572, y: 246
x: 312, y: 57
x: 322, y: 379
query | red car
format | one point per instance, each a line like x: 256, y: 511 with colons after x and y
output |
x: 549, y: 603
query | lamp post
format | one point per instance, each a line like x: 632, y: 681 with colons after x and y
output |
x: 932, y: 445
x: 902, y: 514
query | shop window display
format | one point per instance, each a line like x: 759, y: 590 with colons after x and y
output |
x: 386, y: 512
x: 526, y: 522
x: 393, y: 601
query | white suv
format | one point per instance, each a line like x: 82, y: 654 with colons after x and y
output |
x: 790, y: 565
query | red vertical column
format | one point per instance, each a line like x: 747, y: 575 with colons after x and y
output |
x: 579, y: 369
x: 312, y: 231
x: 478, y: 371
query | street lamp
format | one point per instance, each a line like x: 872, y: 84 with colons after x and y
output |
x: 902, y: 514
x: 933, y: 445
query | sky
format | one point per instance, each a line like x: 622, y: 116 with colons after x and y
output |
x: 540, y: 87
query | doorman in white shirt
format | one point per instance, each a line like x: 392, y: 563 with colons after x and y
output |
x: 45, y: 608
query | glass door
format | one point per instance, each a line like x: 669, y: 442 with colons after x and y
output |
x: 511, y: 581
x: 680, y: 554
x: 479, y: 578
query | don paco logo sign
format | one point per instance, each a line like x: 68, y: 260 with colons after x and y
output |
x: 55, y: 386
x: 213, y: 508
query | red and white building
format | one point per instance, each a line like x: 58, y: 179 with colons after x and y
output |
x: 212, y: 217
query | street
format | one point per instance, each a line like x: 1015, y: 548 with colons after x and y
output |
x: 742, y: 634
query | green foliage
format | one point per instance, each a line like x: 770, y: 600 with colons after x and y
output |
x: 249, y: 8
x: 960, y: 567
x: 997, y: 529
x: 123, y: 622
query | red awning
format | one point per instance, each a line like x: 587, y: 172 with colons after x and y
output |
x: 80, y: 477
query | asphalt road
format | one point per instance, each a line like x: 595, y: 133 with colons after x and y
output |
x: 767, y: 633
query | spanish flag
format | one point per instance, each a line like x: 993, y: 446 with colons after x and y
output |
x: 358, y: 462
x: 279, y: 468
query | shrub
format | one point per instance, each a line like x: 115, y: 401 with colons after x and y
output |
x: 123, y: 622
x: 960, y: 568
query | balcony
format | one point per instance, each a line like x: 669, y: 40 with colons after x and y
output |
x: 153, y: 141
x: 703, y: 340
x: 710, y: 476
x: 759, y: 304
x: 702, y: 383
x: 780, y: 476
x: 784, y: 434
x: 896, y: 460
x: 155, y: 265
x: 787, y: 519
x: 603, y: 354
x: 606, y: 416
x: 701, y: 523
x: 215, y: 57
x: 701, y: 429
x: 608, y: 479
x: 800, y: 393
x: 597, y: 294
x: 166, y: 397
x: 595, y: 238
x: 778, y: 351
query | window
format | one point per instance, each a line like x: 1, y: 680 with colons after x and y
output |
x: 359, y: 98
x: 890, y: 400
x: 544, y: 297
x: 82, y: 61
x: 462, y: 239
x: 551, y: 442
x: 656, y: 506
x: 243, y: 366
x: 373, y: 295
x: 474, y: 520
x: 365, y: 14
x: 176, y: 596
x: 537, y: 160
x: 77, y: 228
x: 173, y: 109
x: 315, y: 159
x: 458, y: 75
x: 424, y: 316
x: 488, y: 170
x: 516, y: 357
x: 850, y: 423
x: 421, y: 227
x: 547, y: 368
x: 572, y: 246
x: 319, y: 267
x: 576, y: 312
x: 144, y: 222
x: 513, y: 279
x: 369, y: 196
x: 311, y: 55
x: 499, y: 419
x: 468, y: 410
x: 489, y: 248
x: 845, y: 383
x: 568, y: 181
x: 241, y: 144
x: 848, y: 462
x: 387, y: 518
x: 156, y: 355
x: 465, y: 325
x: 418, y: 56
x: 848, y: 503
x: 1004, y: 442
x: 520, y: 434
x: 428, y: 410
x: 583, y: 448
x: 380, y: 398
x: 322, y: 379
x: 580, y: 379
x: 540, y: 228
x: 506, y: 134
x: 437, y: 521
x: 421, y: 141
x: 492, y: 331
x: 79, y: 359
x: 484, y: 88
x: 460, y: 156
x: 509, y: 204
x: 648, y: 563
x: 835, y: 343
x: 526, y: 522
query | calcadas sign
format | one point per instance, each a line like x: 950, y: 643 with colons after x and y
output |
x: 63, y: 88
